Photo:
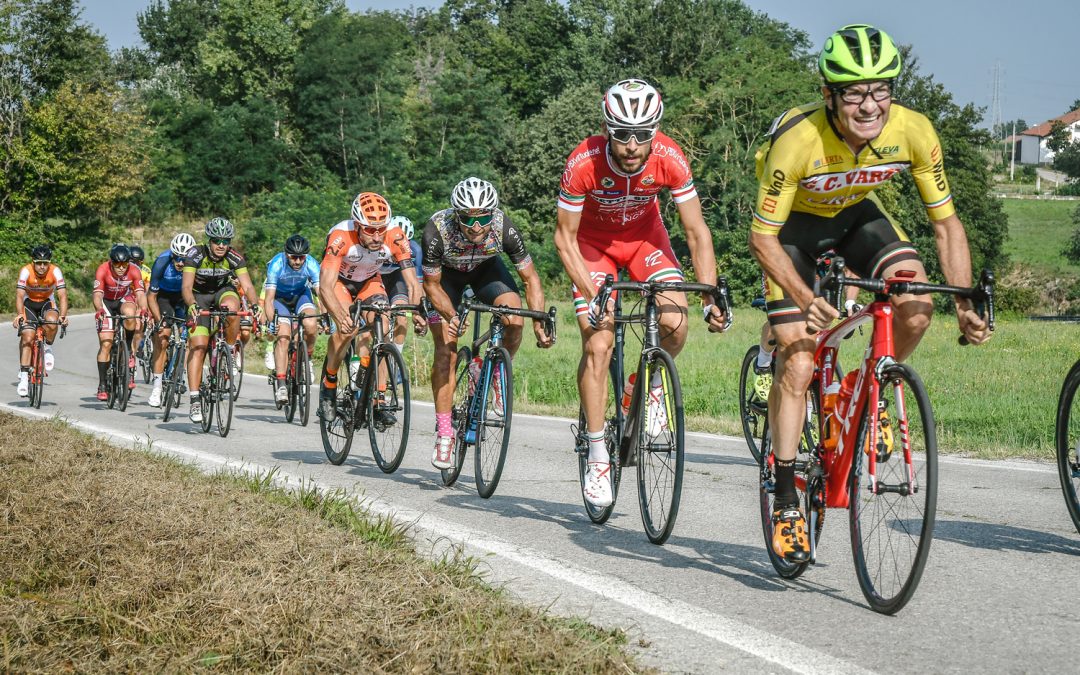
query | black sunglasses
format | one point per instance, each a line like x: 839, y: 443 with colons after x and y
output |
x: 639, y: 134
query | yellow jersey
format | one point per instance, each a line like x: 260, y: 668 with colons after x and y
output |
x: 806, y: 166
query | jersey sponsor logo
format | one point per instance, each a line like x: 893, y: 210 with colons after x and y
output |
x: 829, y: 182
x: 648, y: 180
x: 768, y: 205
x: 827, y: 160
x: 653, y: 259
x: 935, y: 152
x: 888, y: 150
x: 939, y: 175
x: 607, y: 193
x: 607, y: 181
x: 773, y: 188
x: 580, y: 157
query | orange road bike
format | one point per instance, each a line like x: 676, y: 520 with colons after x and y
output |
x: 37, y: 374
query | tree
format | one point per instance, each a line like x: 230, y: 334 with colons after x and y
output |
x: 173, y: 29
x: 1059, y: 136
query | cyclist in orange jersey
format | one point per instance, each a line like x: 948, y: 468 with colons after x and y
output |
x: 817, y: 168
x: 40, y: 294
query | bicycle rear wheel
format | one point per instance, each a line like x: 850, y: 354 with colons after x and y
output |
x: 493, y: 427
x: 1067, y: 441
x: 752, y: 410
x: 237, y: 360
x: 171, y: 389
x: 597, y: 514
x: 892, y: 513
x: 146, y: 357
x: 459, y: 414
x: 337, y: 433
x: 290, y: 385
x: 388, y: 411
x: 302, y: 384
x: 783, y: 567
x: 36, y: 376
x: 661, y: 447
x: 224, y: 390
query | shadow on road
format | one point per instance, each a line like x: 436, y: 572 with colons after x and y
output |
x: 995, y: 537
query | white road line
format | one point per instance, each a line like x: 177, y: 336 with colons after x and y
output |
x: 766, y: 646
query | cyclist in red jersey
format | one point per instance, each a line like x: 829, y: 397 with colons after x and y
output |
x: 118, y: 291
x: 39, y: 289
x: 609, y: 218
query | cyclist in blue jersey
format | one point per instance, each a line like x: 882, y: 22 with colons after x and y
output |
x: 394, y: 280
x: 291, y: 276
x: 164, y: 299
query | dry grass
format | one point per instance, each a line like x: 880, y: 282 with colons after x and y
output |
x: 112, y: 560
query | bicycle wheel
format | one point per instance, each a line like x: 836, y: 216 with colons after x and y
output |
x: 388, y: 410
x: 290, y: 386
x: 752, y: 410
x: 170, y: 391
x: 37, y: 374
x: 459, y: 414
x: 224, y: 390
x: 1067, y: 437
x: 146, y: 357
x: 493, y: 427
x: 237, y: 359
x: 597, y: 514
x: 302, y: 384
x: 661, y: 448
x: 892, y: 527
x: 337, y: 433
x: 783, y: 567
x: 123, y: 375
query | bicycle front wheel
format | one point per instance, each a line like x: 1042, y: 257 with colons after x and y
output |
x: 459, y: 415
x: 1067, y: 441
x: 37, y: 374
x: 146, y: 358
x: 752, y: 410
x: 123, y: 375
x: 302, y: 384
x: 388, y: 410
x: 892, y: 512
x: 171, y: 390
x: 224, y: 390
x: 493, y: 427
x: 660, y: 448
x: 238, y: 360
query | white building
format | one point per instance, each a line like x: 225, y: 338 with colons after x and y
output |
x: 1031, y: 147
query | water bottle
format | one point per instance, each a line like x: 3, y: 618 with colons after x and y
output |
x: 847, y: 388
x: 354, y: 367
x: 832, y: 419
x: 628, y: 391
x: 474, y: 373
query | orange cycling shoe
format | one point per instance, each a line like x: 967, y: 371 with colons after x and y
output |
x: 789, y: 535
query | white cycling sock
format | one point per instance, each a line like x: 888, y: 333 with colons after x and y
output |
x: 597, y: 448
x: 764, y: 359
x: 157, y: 378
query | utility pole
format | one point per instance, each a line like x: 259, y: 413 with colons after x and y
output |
x: 1012, y: 155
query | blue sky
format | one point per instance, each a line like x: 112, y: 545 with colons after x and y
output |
x: 959, y: 41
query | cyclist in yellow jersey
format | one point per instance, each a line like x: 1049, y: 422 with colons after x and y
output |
x: 815, y: 172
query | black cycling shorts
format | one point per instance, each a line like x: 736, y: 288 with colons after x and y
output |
x: 488, y: 281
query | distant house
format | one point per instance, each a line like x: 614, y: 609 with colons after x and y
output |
x: 1032, y: 146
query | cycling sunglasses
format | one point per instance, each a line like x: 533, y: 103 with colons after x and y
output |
x: 474, y: 222
x: 640, y: 135
x: 373, y: 230
x: 217, y: 241
x: 300, y: 257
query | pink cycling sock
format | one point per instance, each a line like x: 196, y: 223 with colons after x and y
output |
x: 442, y: 424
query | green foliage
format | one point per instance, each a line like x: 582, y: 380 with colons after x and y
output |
x: 1059, y: 136
x: 1067, y: 160
x: 1072, y: 248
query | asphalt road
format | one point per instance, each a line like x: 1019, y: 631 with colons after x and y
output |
x: 996, y: 595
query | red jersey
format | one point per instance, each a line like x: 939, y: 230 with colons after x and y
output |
x: 115, y: 289
x: 611, y: 200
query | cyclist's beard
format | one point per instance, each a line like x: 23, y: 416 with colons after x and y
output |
x: 642, y: 152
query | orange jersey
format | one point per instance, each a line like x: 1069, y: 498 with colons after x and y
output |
x: 39, y: 289
x: 355, y: 262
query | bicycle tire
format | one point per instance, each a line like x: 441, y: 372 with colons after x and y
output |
x: 171, y: 388
x: 752, y: 414
x: 388, y: 439
x: 36, y: 376
x: 783, y: 567
x: 145, y: 358
x: 661, y: 455
x: 125, y: 375
x: 224, y: 390
x: 290, y: 386
x: 1067, y: 442
x: 493, y: 427
x: 597, y: 514
x: 891, y: 531
x: 303, y: 384
x: 238, y: 359
x: 459, y: 415
x: 337, y: 433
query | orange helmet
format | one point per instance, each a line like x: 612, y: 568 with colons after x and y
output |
x: 371, y: 209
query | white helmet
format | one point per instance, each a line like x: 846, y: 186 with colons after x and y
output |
x: 632, y: 103
x: 474, y: 194
x: 181, y: 243
x: 404, y: 223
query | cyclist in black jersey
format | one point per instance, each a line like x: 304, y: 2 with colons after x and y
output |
x: 461, y: 248
x: 207, y: 284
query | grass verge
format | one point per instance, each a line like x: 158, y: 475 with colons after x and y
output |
x: 112, y: 560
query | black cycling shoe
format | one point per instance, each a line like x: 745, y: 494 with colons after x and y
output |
x: 384, y: 418
x: 327, y: 403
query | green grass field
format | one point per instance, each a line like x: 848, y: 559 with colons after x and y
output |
x: 1038, y: 230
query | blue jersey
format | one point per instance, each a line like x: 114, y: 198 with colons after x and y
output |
x: 287, y: 282
x: 418, y: 259
x: 164, y: 277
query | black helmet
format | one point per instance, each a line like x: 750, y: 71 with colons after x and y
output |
x: 41, y: 252
x: 137, y: 253
x: 297, y: 245
x: 120, y: 254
